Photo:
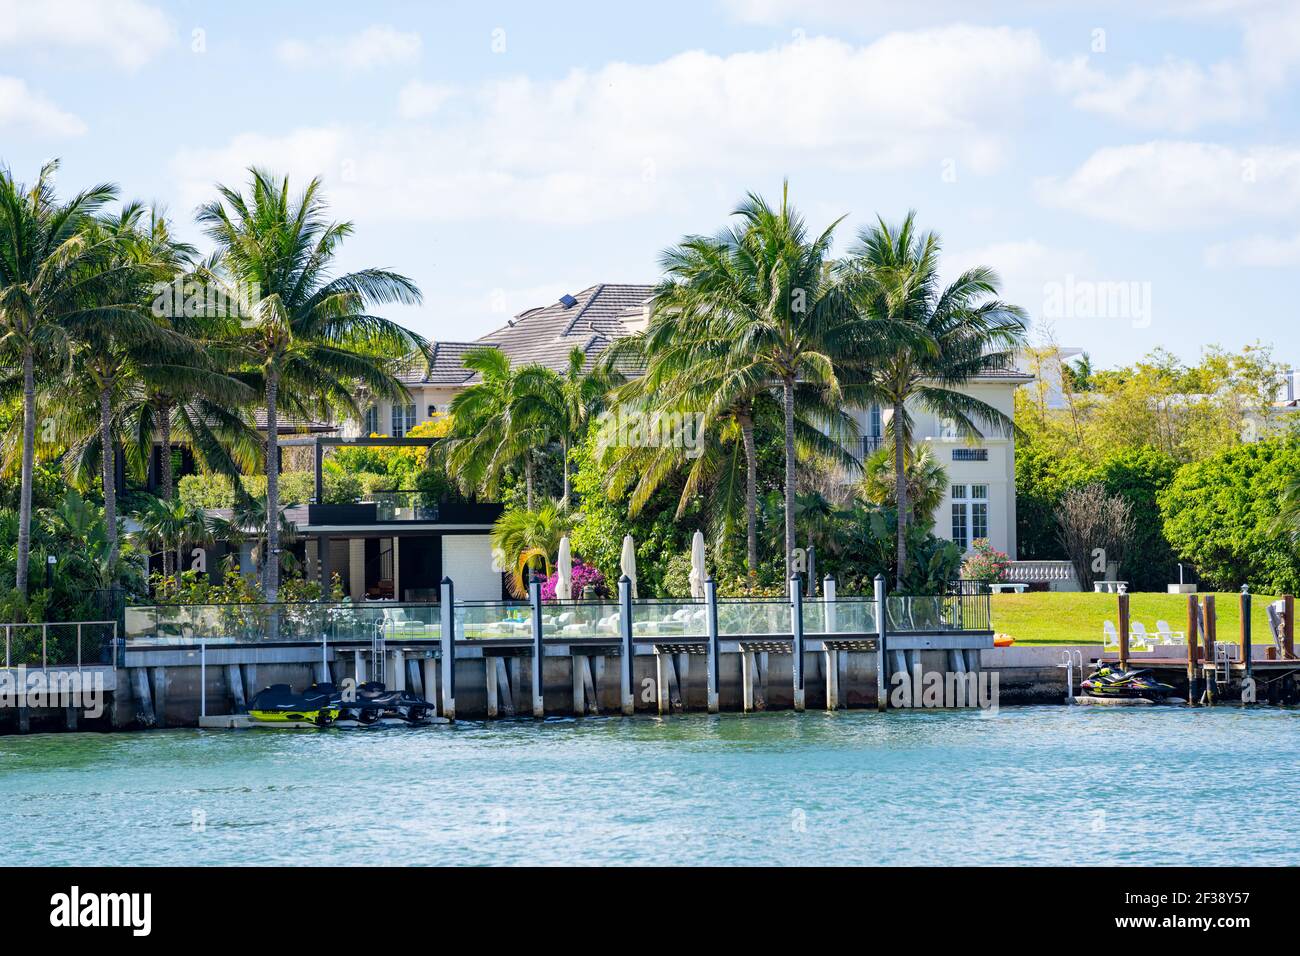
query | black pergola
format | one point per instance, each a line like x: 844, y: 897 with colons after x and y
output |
x: 321, y: 442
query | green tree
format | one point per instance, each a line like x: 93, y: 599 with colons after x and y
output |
x: 757, y: 309
x: 500, y: 422
x: 51, y: 273
x: 927, y: 481
x: 308, y: 335
x: 1224, y: 515
x: 525, y: 538
x: 958, y: 332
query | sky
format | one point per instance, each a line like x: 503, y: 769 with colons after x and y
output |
x: 1130, y: 169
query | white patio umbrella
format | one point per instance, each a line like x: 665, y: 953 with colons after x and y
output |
x: 564, y: 571
x: 627, y: 563
x: 697, y: 566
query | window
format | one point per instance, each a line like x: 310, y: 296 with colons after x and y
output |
x: 403, y: 419
x: 372, y: 420
x: 970, y: 514
x: 970, y: 454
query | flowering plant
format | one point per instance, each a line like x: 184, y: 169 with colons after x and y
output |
x: 986, y: 564
x: 583, y: 575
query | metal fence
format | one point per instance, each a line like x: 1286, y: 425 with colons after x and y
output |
x: 59, y: 644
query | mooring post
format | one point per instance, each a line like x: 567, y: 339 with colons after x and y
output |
x: 882, y: 699
x: 715, y: 655
x: 830, y: 658
x: 579, y: 692
x: 1245, y: 631
x: 1210, y: 629
x: 796, y: 632
x: 1193, y: 622
x: 1123, y: 630
x: 535, y: 599
x: 625, y: 631
x: 1288, y: 625
x: 447, y: 639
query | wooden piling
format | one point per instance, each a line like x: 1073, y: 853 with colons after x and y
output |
x: 1246, y: 655
x: 831, y: 668
x: 1123, y: 631
x: 579, y: 692
x: 235, y: 680
x: 796, y: 633
x: 1193, y: 621
x: 714, y: 652
x: 628, y: 657
x: 1288, y: 626
x: 1210, y: 631
x: 882, y: 697
x: 539, y: 647
x: 505, y: 692
x: 447, y: 640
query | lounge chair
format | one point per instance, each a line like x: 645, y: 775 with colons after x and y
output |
x: 1168, y: 635
x: 1139, y: 639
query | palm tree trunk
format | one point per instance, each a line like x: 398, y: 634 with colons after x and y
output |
x: 528, y: 478
x: 271, y: 559
x: 28, y: 465
x: 165, y: 458
x: 109, y: 469
x: 564, y: 445
x: 900, y: 490
x: 789, y: 476
x: 167, y: 479
x: 751, y: 490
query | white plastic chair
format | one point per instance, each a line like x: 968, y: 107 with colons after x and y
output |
x: 1139, y: 639
x: 1110, y: 636
x: 1168, y: 635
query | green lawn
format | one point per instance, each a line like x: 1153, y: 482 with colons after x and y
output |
x: 1065, y: 618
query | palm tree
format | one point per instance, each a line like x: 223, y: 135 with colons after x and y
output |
x: 309, y: 336
x: 582, y: 393
x: 110, y: 344
x: 500, y: 422
x: 170, y: 525
x: 927, y: 480
x: 959, y: 331
x: 758, y: 309
x: 523, y: 536
x: 51, y: 272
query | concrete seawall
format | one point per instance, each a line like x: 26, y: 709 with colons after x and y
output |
x: 170, y: 695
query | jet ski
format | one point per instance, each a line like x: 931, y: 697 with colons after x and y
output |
x: 278, y: 704
x: 1111, y: 681
x: 371, y: 704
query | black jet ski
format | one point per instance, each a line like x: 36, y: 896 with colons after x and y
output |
x: 371, y: 703
x: 278, y: 704
x: 1112, y: 681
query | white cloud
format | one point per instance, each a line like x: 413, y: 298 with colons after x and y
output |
x: 622, y: 139
x: 417, y: 100
x: 127, y: 32
x: 1261, y: 252
x: 1025, y: 267
x: 376, y: 45
x: 1167, y: 185
x: 22, y: 109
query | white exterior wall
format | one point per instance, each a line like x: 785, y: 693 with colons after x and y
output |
x: 467, y: 560
x: 998, y: 473
x: 422, y: 397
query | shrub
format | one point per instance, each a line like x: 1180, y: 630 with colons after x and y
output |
x: 1221, y: 515
x: 987, y: 564
x: 584, y: 576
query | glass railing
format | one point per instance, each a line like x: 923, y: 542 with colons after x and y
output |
x: 486, y: 620
x: 403, y: 506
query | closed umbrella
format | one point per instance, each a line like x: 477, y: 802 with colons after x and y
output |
x: 697, y: 566
x: 564, y: 571
x: 627, y: 563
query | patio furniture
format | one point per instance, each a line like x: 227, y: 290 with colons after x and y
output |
x: 1138, y: 639
x: 1109, y: 587
x: 1003, y: 586
x: 1168, y: 635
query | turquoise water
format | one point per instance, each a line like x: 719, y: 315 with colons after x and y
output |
x: 1029, y: 785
